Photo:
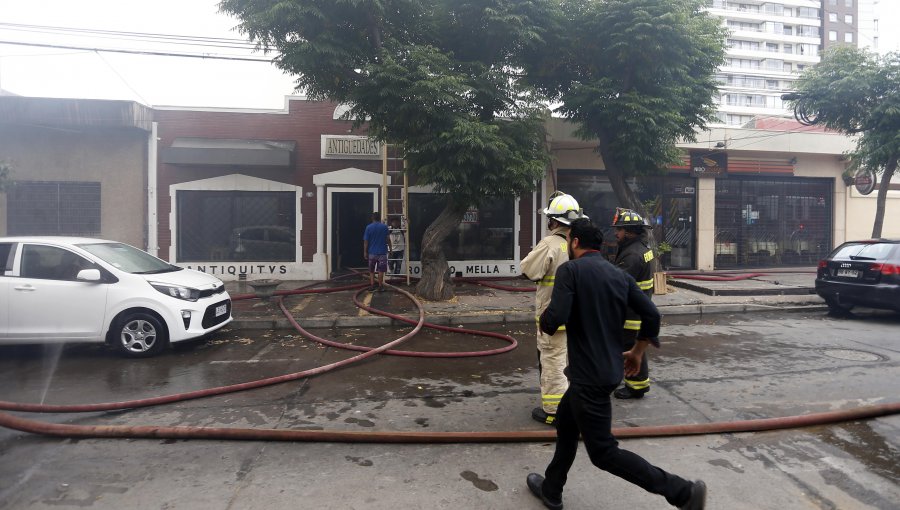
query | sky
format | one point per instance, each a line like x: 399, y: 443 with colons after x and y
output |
x: 159, y: 80
x: 151, y: 80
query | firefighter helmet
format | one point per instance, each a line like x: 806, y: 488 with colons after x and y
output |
x: 563, y: 208
x: 629, y: 218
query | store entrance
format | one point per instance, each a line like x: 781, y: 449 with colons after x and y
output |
x: 766, y: 222
x: 350, y: 213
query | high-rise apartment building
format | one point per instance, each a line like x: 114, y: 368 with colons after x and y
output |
x: 769, y: 44
x: 840, y: 22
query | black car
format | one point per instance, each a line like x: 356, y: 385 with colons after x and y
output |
x: 865, y: 273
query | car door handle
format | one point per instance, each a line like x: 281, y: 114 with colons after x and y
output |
x: 29, y: 288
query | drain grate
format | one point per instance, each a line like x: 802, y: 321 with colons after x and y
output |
x: 852, y: 355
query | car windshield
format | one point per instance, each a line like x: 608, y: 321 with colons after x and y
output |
x: 864, y: 251
x: 129, y: 259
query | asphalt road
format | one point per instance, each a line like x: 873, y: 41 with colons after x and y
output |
x: 714, y: 368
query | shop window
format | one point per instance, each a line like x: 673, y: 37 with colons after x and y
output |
x: 236, y: 226
x: 486, y: 232
x: 763, y: 222
x: 53, y: 208
x: 669, y: 201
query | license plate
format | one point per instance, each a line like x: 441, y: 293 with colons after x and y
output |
x: 221, y: 310
x: 849, y: 273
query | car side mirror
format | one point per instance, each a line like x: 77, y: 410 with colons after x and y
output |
x: 89, y: 275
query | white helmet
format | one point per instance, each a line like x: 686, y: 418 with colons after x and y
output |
x: 563, y: 208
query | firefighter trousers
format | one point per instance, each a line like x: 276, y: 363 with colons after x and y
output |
x: 641, y: 381
x: 552, y: 360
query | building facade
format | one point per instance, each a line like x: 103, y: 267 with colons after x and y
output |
x: 777, y: 197
x: 288, y: 193
x: 79, y: 167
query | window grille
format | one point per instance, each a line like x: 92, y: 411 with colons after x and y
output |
x: 53, y: 208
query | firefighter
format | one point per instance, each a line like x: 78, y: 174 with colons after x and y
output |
x: 540, y: 267
x: 634, y: 257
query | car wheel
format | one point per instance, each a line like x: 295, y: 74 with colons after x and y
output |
x: 837, y: 307
x: 140, y: 335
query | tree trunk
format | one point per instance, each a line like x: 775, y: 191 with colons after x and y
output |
x: 882, y: 197
x: 626, y: 198
x: 435, y: 284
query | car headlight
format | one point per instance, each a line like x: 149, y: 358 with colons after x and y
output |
x: 177, y: 291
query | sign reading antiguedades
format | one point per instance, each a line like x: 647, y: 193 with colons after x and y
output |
x: 350, y: 147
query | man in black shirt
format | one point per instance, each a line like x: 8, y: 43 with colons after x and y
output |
x: 591, y: 296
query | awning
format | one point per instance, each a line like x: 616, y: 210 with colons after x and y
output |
x: 229, y: 152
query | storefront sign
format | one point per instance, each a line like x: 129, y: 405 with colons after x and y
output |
x: 709, y: 164
x: 471, y: 216
x: 472, y: 268
x: 350, y: 147
x: 239, y: 269
x: 865, y: 181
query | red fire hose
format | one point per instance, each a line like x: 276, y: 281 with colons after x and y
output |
x: 101, y: 431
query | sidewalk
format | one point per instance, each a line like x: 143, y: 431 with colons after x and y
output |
x: 475, y: 304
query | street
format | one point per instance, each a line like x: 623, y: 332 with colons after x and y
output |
x: 712, y: 368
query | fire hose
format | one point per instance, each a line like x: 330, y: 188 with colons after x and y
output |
x: 111, y: 431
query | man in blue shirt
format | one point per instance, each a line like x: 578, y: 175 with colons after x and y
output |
x: 376, y: 244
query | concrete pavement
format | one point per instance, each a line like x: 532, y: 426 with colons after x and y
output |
x: 763, y: 290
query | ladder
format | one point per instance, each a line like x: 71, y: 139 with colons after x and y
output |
x: 395, y: 204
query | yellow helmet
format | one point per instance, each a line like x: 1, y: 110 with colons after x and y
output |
x: 563, y: 208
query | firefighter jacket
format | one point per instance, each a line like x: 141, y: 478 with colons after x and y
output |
x: 541, y: 263
x: 634, y: 258
x: 591, y: 298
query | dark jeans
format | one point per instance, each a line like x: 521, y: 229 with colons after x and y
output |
x: 395, y: 265
x: 587, y: 410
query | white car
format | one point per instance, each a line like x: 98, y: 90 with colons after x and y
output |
x: 65, y: 289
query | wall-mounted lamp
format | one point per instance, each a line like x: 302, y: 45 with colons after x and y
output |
x: 309, y: 194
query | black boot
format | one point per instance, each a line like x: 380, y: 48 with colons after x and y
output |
x: 697, y: 501
x: 544, y: 417
x: 626, y: 392
x: 535, y: 484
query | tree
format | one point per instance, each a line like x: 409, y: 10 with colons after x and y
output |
x: 853, y: 91
x: 438, y: 78
x: 637, y: 76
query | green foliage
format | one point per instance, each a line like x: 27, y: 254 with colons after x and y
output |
x: 855, y: 91
x: 437, y: 77
x: 637, y: 74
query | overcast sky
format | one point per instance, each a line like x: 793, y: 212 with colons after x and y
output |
x: 158, y: 80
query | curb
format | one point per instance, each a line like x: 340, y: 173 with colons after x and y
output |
x: 509, y: 317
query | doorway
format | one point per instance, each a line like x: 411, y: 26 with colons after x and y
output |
x: 350, y: 213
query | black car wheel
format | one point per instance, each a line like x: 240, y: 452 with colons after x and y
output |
x: 140, y: 335
x: 838, y: 307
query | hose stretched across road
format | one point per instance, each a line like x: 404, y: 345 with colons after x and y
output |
x: 219, y: 433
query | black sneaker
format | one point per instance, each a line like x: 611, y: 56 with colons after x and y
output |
x: 626, y: 393
x: 544, y: 417
x: 697, y: 501
x: 535, y: 484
